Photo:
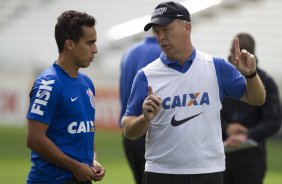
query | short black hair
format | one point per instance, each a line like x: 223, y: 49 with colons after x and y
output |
x: 69, y: 26
x: 247, y: 42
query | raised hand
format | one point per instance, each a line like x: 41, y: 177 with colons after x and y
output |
x: 151, y: 105
x: 244, y: 61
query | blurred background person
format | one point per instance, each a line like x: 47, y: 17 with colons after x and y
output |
x: 135, y: 58
x: 241, y: 121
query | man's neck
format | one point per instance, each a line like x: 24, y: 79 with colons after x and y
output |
x: 67, y: 65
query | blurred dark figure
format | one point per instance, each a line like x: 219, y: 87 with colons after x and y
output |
x: 242, y: 122
x: 135, y: 58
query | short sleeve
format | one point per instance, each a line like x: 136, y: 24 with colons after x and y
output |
x: 232, y: 82
x: 43, y: 99
x: 138, y: 94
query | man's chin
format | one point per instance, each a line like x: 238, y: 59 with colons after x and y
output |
x: 85, y: 65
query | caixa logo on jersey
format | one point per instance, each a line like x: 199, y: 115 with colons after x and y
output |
x: 81, y: 127
x: 191, y: 99
x: 42, y: 97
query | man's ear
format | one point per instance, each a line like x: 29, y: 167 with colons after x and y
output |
x: 69, y: 44
x: 188, y: 28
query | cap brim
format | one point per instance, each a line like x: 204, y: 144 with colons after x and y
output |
x: 158, y: 20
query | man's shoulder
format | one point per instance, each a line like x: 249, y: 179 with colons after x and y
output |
x: 48, y: 73
x: 48, y: 76
x: 200, y: 55
x: 154, y: 66
x: 266, y: 78
x: 263, y: 74
x: 85, y: 78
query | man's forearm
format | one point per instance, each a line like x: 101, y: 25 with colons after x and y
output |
x: 50, y: 152
x: 134, y: 126
x: 255, y: 91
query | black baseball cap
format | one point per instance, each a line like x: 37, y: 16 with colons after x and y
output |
x: 166, y: 12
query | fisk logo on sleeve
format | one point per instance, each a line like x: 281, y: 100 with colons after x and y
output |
x: 42, y: 97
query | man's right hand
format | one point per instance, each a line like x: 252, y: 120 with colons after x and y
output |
x: 83, y: 172
x: 151, y: 105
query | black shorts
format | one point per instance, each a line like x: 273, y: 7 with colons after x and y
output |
x: 74, y: 181
x: 135, y: 151
x: 208, y: 178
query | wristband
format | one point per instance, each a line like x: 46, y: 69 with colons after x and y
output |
x: 252, y: 75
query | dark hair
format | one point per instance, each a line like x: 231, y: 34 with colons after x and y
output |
x: 69, y: 26
x: 247, y: 42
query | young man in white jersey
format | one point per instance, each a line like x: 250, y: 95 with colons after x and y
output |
x: 61, y: 115
x: 177, y: 100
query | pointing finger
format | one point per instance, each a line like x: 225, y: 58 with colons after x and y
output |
x: 237, y: 47
x: 150, y: 90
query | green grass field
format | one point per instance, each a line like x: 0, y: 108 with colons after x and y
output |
x: 14, y: 157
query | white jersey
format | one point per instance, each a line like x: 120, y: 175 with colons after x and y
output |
x: 185, y: 137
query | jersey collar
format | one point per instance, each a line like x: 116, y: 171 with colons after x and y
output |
x: 175, y: 65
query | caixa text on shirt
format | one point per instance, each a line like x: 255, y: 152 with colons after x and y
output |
x: 81, y: 127
x: 186, y: 100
